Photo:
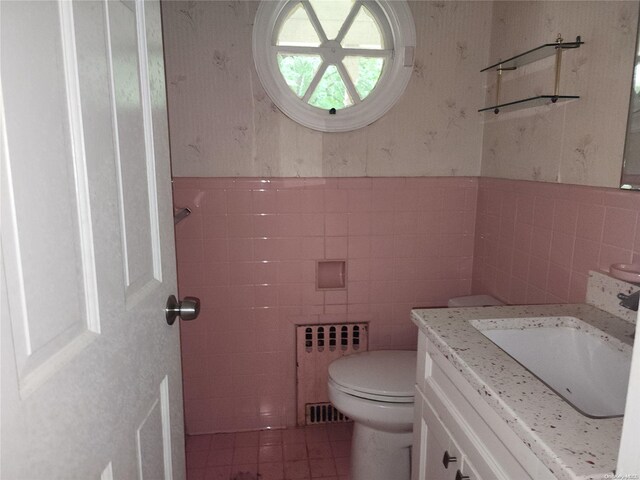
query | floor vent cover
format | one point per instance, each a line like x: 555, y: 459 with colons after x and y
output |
x: 323, y: 413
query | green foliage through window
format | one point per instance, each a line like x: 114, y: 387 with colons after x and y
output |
x: 331, y: 91
x: 298, y: 70
x: 368, y: 74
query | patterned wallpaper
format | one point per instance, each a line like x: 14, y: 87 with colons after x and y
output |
x: 578, y: 142
x: 223, y: 123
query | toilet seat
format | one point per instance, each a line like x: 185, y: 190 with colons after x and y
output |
x: 372, y: 396
x: 385, y: 376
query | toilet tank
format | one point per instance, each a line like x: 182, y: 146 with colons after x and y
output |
x: 474, y: 301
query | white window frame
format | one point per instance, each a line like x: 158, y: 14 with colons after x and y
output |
x: 399, y: 43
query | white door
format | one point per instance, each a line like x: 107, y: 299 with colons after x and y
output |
x: 91, y: 381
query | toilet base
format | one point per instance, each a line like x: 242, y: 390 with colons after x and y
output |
x: 378, y: 455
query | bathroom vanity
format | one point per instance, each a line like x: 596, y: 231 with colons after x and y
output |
x: 481, y: 415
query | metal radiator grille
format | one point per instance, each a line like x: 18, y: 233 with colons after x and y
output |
x: 316, y: 347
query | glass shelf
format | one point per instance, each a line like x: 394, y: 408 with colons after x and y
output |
x: 538, y: 101
x: 538, y: 53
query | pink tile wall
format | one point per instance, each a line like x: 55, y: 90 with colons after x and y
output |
x: 536, y: 242
x: 249, y: 251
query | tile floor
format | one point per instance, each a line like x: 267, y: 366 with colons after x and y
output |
x: 318, y: 452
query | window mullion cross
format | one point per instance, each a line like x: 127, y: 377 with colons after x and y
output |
x: 346, y: 78
x: 315, y: 21
x: 296, y: 49
x: 365, y: 52
x: 314, y: 83
x: 348, y: 22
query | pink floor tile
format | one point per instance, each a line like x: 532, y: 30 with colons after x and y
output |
x: 215, y: 473
x: 247, y: 439
x: 296, y: 470
x: 293, y: 435
x: 340, y: 431
x: 220, y: 457
x: 223, y: 440
x: 245, y: 455
x: 244, y: 472
x: 316, y: 434
x: 194, y: 443
x: 295, y: 451
x: 342, y: 465
x: 341, y: 449
x: 292, y: 454
x: 270, y: 453
x: 271, y: 471
x: 319, y: 450
x: 322, y: 467
x: 197, y: 459
x: 195, y: 473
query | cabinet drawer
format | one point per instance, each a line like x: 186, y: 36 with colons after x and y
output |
x: 493, y: 449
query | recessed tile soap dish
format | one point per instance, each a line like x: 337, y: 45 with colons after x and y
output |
x: 331, y: 275
x: 628, y: 272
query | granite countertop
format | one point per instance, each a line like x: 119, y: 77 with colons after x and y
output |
x: 572, y: 445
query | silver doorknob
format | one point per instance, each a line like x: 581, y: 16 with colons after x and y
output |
x: 187, y: 309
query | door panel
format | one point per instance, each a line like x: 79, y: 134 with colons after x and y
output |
x: 154, y: 438
x: 133, y: 131
x: 151, y: 444
x: 47, y: 207
x: 91, y: 381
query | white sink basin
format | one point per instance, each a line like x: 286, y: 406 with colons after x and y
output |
x: 582, y: 364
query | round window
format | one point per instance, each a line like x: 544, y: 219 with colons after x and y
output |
x: 334, y: 65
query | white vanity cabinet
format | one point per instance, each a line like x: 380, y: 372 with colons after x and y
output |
x: 452, y: 418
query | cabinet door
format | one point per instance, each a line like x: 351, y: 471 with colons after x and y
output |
x: 418, y: 450
x: 434, y: 468
x: 438, y: 442
x: 468, y: 470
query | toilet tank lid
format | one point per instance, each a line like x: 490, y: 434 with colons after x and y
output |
x: 474, y: 301
x: 386, y: 372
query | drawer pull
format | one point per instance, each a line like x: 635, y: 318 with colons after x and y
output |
x: 448, y: 459
x: 460, y: 476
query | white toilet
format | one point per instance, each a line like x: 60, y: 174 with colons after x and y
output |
x: 376, y: 390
